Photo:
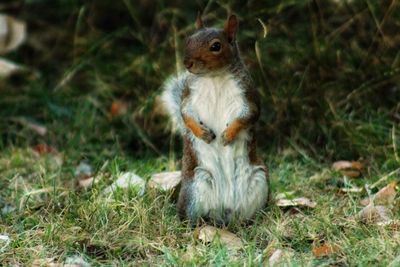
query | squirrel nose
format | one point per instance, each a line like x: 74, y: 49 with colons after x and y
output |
x: 188, y: 63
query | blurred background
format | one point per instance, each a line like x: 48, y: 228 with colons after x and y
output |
x: 88, y: 74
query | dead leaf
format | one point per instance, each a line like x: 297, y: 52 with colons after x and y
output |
x: 357, y: 165
x: 56, y: 158
x: 325, y: 250
x: 343, y: 164
x: 384, y: 178
x: 12, y: 33
x: 385, y: 196
x: 86, y: 182
x: 36, y: 127
x: 126, y: 180
x: 165, y: 180
x: 378, y: 215
x: 43, y: 149
x: 348, y: 168
x: 118, y: 108
x: 352, y: 190
x: 365, y: 201
x: 48, y: 262
x: 351, y: 173
x: 275, y: 258
x: 208, y: 233
x: 302, y: 201
x: 8, y: 68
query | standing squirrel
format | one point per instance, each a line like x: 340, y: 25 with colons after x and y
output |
x: 215, y: 107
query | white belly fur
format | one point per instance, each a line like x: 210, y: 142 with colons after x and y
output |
x: 216, y: 102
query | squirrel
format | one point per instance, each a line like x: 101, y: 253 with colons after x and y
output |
x: 215, y: 107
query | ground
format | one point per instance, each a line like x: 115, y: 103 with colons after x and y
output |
x: 329, y: 82
x: 54, y: 219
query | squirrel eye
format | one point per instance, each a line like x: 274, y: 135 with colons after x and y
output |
x: 215, y: 47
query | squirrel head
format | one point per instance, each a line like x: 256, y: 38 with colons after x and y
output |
x: 211, y: 49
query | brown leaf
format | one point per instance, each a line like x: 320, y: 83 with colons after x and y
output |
x: 385, y: 196
x: 365, y: 201
x: 348, y: 168
x: 352, y: 190
x: 8, y: 68
x: 351, y: 173
x: 301, y: 201
x: 12, y: 33
x: 165, y: 180
x: 325, y: 250
x: 375, y: 215
x: 276, y: 257
x: 208, y: 233
x: 37, y: 128
x: 343, y: 164
x: 118, y: 108
x: 42, y: 149
x: 357, y: 165
x: 48, y: 262
x: 85, y: 182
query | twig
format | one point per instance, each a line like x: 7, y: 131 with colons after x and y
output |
x: 394, y: 143
x: 384, y: 178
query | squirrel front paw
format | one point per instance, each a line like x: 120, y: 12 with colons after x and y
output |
x: 207, y: 134
x: 226, y: 137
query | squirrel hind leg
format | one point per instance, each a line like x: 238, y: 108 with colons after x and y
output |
x: 254, y: 193
x: 203, y: 196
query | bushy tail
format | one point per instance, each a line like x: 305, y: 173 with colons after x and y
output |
x: 172, y: 99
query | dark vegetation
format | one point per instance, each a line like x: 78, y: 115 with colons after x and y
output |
x: 328, y: 71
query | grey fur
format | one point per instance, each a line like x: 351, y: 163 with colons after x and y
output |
x: 172, y: 99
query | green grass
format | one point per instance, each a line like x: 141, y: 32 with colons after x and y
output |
x: 329, y: 79
x: 129, y: 229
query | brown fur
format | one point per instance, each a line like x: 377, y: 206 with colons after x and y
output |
x: 255, y: 159
x: 189, y: 163
x: 200, y: 60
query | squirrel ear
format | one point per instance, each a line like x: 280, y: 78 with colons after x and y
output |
x: 199, y: 21
x: 231, y: 27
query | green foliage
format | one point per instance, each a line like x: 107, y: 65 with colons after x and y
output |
x: 328, y: 72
